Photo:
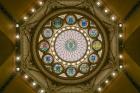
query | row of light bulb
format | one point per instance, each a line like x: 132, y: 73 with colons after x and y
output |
x: 25, y: 18
x: 107, y: 81
x: 33, y: 10
x: 18, y: 58
x: 33, y: 84
x: 99, y: 3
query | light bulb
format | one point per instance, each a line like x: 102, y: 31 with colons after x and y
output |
x: 33, y: 10
x: 99, y: 89
x: 17, y: 25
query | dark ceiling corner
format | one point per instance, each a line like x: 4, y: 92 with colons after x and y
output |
x: 6, y: 48
x: 131, y: 12
x: 7, y: 14
x: 133, y: 46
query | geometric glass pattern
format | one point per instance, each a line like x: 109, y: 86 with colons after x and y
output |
x: 70, y: 45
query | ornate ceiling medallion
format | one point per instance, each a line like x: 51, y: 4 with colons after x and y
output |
x: 69, y: 47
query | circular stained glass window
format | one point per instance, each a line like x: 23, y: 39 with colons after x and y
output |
x: 57, y: 68
x: 97, y: 45
x: 47, y: 32
x: 70, y: 19
x: 83, y: 22
x: 69, y: 44
x: 71, y: 71
x: 57, y: 22
x: 93, y: 32
x: 44, y: 46
x: 93, y: 58
x: 84, y: 68
x: 48, y: 59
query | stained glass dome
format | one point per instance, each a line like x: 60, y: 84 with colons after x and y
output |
x: 70, y: 46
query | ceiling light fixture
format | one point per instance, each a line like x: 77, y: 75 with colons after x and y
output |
x: 120, y: 56
x: 17, y: 36
x: 106, y: 81
x: 42, y: 91
x: 17, y: 69
x: 113, y: 74
x: 106, y: 10
x: 33, y: 10
x: 17, y: 25
x: 34, y: 83
x: 40, y: 3
x: 120, y: 35
x: 26, y: 76
x: 25, y: 18
x: 99, y: 89
x: 17, y: 58
x: 120, y: 25
x: 113, y: 18
x: 121, y: 66
x: 98, y: 3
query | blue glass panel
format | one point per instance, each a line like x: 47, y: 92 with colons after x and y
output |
x: 48, y: 59
x: 70, y: 19
x: 71, y: 71
x: 57, y: 22
x: 57, y: 68
x: 93, y: 58
x: 83, y: 23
